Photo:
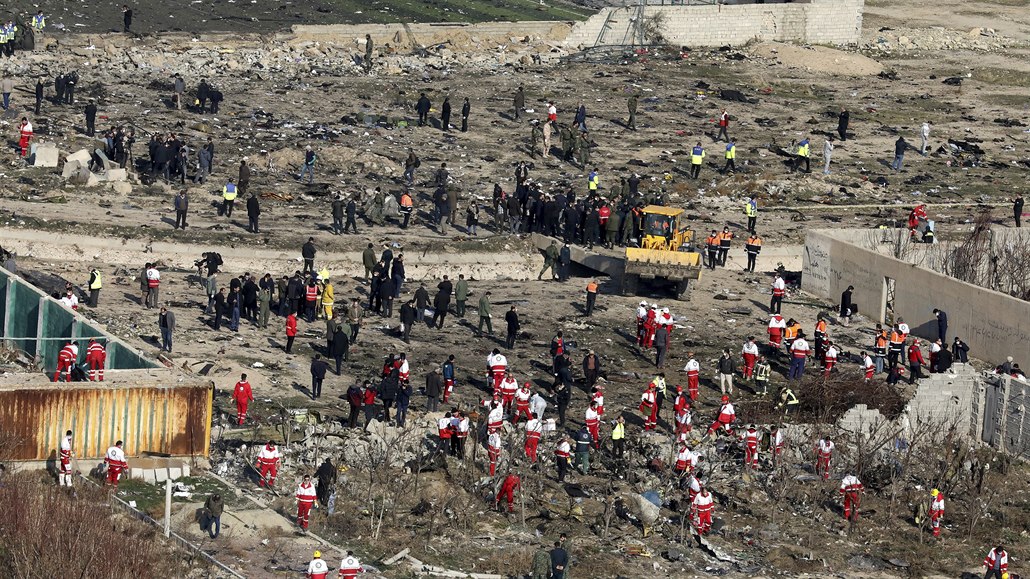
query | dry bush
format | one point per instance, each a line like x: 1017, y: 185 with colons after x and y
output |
x: 828, y: 399
x: 52, y: 534
x: 985, y: 261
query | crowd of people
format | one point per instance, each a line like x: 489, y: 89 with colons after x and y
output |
x: 517, y: 424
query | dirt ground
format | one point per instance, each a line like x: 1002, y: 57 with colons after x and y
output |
x: 64, y: 230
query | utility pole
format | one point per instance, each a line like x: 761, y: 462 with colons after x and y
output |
x: 168, y: 507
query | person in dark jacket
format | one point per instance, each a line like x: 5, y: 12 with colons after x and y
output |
x: 39, y: 95
x: 466, y: 108
x: 352, y: 212
x: 213, y: 508
x: 354, y: 396
x: 562, y: 397
x: 338, y: 210
x: 407, y: 320
x: 308, y: 252
x: 846, y: 307
x: 182, y: 206
x: 944, y: 358
x: 960, y: 351
x: 91, y: 118
x: 249, y: 293
x: 397, y: 275
x: 386, y: 297
x: 445, y: 114
x: 661, y: 345
x: 318, y: 370
x: 591, y: 368
x: 942, y: 325
x: 900, y: 146
x: 421, y: 302
x: 434, y: 389
x: 203, y: 94
x: 559, y: 561
x: 326, y: 481
x: 388, y: 389
x: 340, y: 347
x: 253, y: 212
x: 442, y: 301
x: 295, y: 293
x: 219, y: 309
x: 511, y: 318
x: 422, y: 108
x: 842, y: 123
x: 727, y: 367
x: 403, y: 401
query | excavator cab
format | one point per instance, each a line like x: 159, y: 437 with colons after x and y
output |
x: 661, y: 229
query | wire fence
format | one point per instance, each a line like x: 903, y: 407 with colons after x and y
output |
x: 177, y: 539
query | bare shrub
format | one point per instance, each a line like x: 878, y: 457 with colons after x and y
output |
x: 54, y: 534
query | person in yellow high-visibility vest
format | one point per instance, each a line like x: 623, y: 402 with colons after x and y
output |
x: 697, y: 157
x: 731, y: 154
x: 229, y: 193
x: 593, y: 180
x: 802, y: 156
x: 38, y: 24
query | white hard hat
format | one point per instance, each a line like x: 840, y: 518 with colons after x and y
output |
x: 654, y: 306
x: 665, y: 310
x: 643, y: 303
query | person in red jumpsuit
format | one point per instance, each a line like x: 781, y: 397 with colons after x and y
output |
x: 511, y: 483
x: 95, y: 357
x: 67, y: 357
x: 243, y: 396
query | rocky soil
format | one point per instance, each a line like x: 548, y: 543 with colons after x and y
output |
x: 283, y: 94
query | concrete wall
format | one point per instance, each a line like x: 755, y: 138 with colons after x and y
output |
x: 1000, y: 407
x: 994, y: 325
x: 40, y: 326
x: 426, y: 34
x: 819, y: 22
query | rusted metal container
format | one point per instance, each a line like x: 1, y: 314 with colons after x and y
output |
x: 173, y: 420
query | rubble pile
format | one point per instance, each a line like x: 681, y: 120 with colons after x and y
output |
x: 939, y: 38
x: 244, y: 55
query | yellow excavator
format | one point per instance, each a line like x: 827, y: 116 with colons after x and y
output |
x: 662, y: 257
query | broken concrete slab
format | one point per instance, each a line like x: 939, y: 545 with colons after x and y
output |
x: 121, y: 187
x: 71, y: 168
x: 116, y: 175
x: 82, y: 156
x: 46, y: 155
x: 108, y: 163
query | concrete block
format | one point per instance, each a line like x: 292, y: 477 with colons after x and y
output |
x: 46, y: 156
x: 82, y: 156
x: 174, y: 473
x: 136, y: 473
x: 121, y: 187
x: 185, y: 469
x: 116, y: 175
x: 147, y: 475
x: 108, y: 163
x: 160, y: 475
x: 91, y: 179
x: 71, y: 168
